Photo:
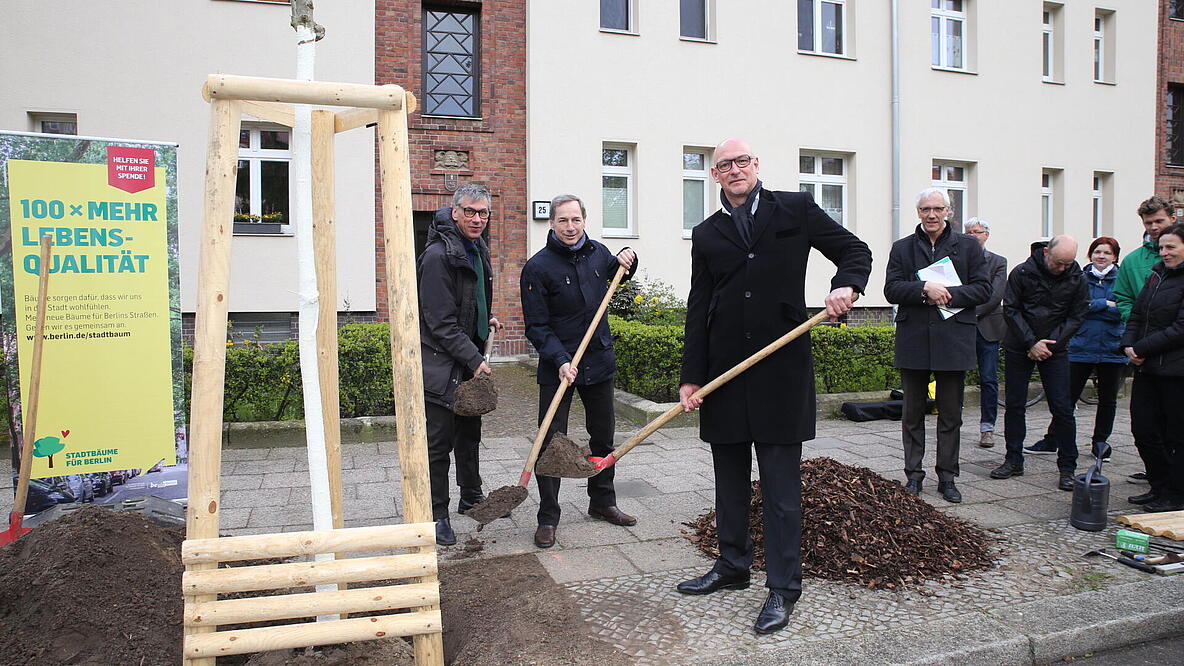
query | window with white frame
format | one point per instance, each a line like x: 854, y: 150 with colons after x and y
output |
x: 822, y: 26
x: 1052, y: 44
x: 54, y: 123
x: 1176, y: 9
x: 952, y: 177
x: 1046, y: 204
x: 261, y: 192
x: 1103, y: 210
x: 616, y: 187
x: 696, y: 188
x: 1096, y: 206
x: 948, y: 29
x: 617, y: 15
x: 1048, y: 41
x: 694, y: 18
x: 824, y: 176
x: 1103, y: 46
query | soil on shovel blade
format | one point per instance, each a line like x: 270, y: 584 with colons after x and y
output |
x: 499, y: 503
x: 859, y: 527
x: 98, y: 587
x: 565, y: 458
x: 475, y: 397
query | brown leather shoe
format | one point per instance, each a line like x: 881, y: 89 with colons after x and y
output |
x: 612, y: 514
x: 544, y: 536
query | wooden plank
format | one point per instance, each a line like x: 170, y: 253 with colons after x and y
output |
x: 262, y: 639
x: 209, y: 336
x: 1165, y: 517
x: 312, y: 604
x: 349, y: 119
x: 330, y: 93
x: 290, y: 544
x: 280, y: 114
x: 406, y: 364
x: 306, y: 574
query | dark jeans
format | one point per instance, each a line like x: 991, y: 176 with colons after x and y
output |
x: 598, y: 410
x: 1157, y: 423
x: 950, y: 385
x: 1054, y: 376
x: 781, y: 495
x: 988, y: 383
x: 460, y: 436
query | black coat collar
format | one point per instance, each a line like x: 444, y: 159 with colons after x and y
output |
x: 766, y: 210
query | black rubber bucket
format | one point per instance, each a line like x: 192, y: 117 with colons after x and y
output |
x: 1091, y: 500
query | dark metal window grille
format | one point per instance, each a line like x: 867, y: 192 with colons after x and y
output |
x: 1176, y: 10
x: 451, y: 62
x: 1174, y: 127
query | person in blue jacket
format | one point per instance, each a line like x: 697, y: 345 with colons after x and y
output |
x: 1096, y: 345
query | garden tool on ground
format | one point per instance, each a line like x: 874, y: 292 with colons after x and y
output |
x: 1123, y: 560
x: 506, y: 498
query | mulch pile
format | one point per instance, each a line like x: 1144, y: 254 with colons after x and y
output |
x: 859, y: 527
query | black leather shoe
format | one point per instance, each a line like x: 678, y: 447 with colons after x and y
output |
x: 1138, y: 476
x: 544, y: 536
x: 1164, y: 504
x: 713, y: 581
x: 913, y: 486
x: 1066, y: 481
x: 949, y: 492
x: 774, y: 614
x: 1007, y: 470
x: 444, y: 534
x: 1142, y: 498
x: 612, y: 514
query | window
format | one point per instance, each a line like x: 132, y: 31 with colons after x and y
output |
x: 821, y: 26
x: 451, y: 63
x: 1103, y: 46
x: 693, y: 18
x: 948, y: 33
x: 1046, y: 25
x: 616, y: 178
x: 824, y: 176
x: 617, y: 15
x: 264, y: 327
x: 696, y: 189
x: 261, y: 192
x: 54, y: 123
x: 952, y: 178
x: 1046, y: 204
x: 1174, y: 124
x: 1102, y: 211
x: 1052, y: 50
x: 1176, y: 9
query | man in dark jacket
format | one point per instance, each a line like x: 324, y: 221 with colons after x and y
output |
x: 935, y: 329
x: 991, y: 328
x: 562, y: 287
x: 1045, y: 303
x: 455, y: 297
x: 748, y: 276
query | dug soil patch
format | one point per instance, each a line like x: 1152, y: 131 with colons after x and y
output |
x: 859, y: 527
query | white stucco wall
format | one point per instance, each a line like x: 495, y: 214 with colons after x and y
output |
x: 587, y: 87
x: 133, y: 69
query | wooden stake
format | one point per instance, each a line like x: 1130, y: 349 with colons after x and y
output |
x: 403, y: 305
x: 292, y: 544
x: 299, y: 574
x: 288, y: 606
x: 263, y: 639
x: 30, y: 400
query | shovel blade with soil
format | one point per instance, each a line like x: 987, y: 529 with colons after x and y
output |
x: 475, y: 397
x: 566, y: 459
x: 499, y: 503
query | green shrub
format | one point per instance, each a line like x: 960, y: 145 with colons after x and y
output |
x: 648, y: 302
x: 649, y: 358
x: 364, y: 367
x: 854, y: 358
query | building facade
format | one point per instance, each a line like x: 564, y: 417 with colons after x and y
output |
x: 1169, y: 127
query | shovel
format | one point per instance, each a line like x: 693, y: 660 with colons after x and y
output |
x: 506, y: 498
x: 594, y: 465
x: 476, y: 395
x: 29, y: 422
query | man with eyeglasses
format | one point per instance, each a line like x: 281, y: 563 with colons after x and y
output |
x: 748, y: 277
x: 935, y: 332
x: 455, y: 297
x: 991, y: 328
x: 1045, y: 303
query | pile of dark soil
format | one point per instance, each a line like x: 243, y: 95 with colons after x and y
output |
x: 859, y: 527
x: 497, y: 504
x: 475, y: 396
x: 565, y: 458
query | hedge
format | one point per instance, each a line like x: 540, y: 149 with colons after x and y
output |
x: 649, y: 358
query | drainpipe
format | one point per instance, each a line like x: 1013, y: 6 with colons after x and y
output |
x: 895, y: 120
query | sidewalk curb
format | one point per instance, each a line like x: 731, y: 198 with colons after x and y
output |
x: 1037, y: 632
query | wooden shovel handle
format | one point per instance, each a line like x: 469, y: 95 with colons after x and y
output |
x: 703, y: 392
x: 29, y: 402
x: 528, y: 469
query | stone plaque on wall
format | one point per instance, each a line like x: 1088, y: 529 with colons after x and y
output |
x: 453, y: 160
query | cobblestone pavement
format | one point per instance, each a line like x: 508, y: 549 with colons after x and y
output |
x: 623, y: 577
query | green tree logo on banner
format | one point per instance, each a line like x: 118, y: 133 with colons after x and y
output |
x: 46, y: 447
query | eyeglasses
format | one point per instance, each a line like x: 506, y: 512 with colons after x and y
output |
x: 978, y: 232
x: 741, y: 161
x: 470, y: 212
x: 932, y: 209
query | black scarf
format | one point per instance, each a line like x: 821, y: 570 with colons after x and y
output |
x: 742, y: 214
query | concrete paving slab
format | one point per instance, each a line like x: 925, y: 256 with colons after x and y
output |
x: 988, y: 515
x: 596, y: 563
x: 663, y: 555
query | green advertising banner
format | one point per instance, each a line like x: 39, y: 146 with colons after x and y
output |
x: 111, y: 407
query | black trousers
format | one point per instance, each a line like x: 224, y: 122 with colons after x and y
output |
x: 1109, y: 381
x: 1157, y: 423
x: 950, y: 387
x: 781, y: 495
x: 460, y: 436
x: 1054, y: 378
x: 598, y: 410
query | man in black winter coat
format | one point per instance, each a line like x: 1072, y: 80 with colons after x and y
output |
x: 1045, y: 302
x: 455, y: 280
x: 748, y: 278
x: 562, y: 286
x: 935, y: 332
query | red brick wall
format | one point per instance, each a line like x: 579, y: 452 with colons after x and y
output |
x: 496, y: 142
x: 1171, y: 70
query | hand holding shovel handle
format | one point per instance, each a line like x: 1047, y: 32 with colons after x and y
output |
x: 652, y: 426
x: 528, y: 469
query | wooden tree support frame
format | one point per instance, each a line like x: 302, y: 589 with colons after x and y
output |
x: 416, y: 600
